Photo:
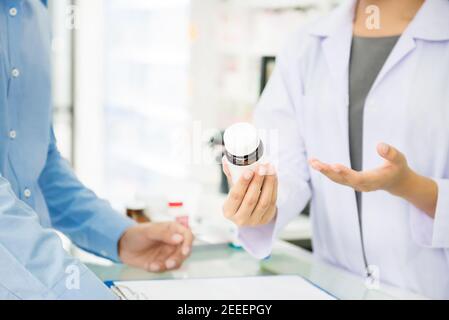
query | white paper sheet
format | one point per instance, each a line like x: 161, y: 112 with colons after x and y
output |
x: 239, y: 288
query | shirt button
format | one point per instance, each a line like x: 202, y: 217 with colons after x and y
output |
x: 15, y: 72
x: 27, y: 193
x: 12, y: 134
x: 13, y: 12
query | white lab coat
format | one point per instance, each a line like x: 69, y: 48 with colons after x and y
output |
x: 306, y: 101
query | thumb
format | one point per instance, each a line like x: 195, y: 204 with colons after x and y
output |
x: 168, y: 232
x: 224, y: 161
x: 225, y: 166
x: 390, y: 153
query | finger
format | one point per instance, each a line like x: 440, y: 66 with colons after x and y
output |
x: 271, y: 170
x: 265, y: 200
x: 175, y: 260
x: 186, y: 234
x: 318, y: 165
x: 360, y: 181
x: 156, y: 261
x: 251, y: 198
x: 224, y: 162
x: 269, y: 216
x: 237, y: 194
x: 186, y: 246
x: 162, y: 258
x: 179, y: 239
x: 168, y: 232
x: 340, y: 174
x: 271, y: 212
x: 226, y: 171
x: 275, y: 191
x: 390, y: 153
x: 347, y: 175
x: 329, y: 171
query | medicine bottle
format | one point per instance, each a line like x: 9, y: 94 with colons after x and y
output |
x: 137, y: 210
x: 178, y: 212
x: 243, y: 149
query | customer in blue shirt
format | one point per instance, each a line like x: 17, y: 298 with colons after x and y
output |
x: 38, y: 189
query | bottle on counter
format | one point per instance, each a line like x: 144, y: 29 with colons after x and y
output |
x: 136, y: 210
x: 177, y: 210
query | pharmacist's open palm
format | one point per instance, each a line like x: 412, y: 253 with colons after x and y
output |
x: 156, y: 247
x: 252, y: 200
x: 389, y: 177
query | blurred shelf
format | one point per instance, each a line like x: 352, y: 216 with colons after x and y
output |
x: 151, y: 5
x: 149, y: 164
x: 278, y: 4
x: 166, y: 58
x: 156, y: 112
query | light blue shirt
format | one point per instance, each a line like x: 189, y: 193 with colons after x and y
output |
x: 38, y: 190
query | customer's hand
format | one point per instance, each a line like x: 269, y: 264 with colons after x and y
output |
x: 156, y: 247
x: 393, y: 176
x: 252, y: 200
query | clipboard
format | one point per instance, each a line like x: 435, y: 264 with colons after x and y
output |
x: 270, y: 287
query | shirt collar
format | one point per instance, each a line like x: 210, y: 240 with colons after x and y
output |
x: 430, y: 23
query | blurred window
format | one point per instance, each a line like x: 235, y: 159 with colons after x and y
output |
x: 146, y: 62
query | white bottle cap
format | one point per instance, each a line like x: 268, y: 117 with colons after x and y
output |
x: 241, y: 139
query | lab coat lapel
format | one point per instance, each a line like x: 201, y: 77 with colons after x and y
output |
x: 430, y: 23
x: 336, y: 50
x: 404, y: 46
x: 336, y: 38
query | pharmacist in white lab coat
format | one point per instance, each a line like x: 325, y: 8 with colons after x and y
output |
x: 393, y: 212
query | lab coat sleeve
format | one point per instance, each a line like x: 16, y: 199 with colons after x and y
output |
x: 33, y: 263
x: 430, y: 232
x: 76, y: 211
x: 276, y: 115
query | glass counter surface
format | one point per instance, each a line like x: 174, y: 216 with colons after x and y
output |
x: 210, y: 261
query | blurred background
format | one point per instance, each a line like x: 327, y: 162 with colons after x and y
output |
x: 141, y: 87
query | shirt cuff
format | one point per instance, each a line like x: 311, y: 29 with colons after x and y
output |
x: 104, y: 242
x: 428, y: 232
x: 441, y: 224
x: 258, y: 241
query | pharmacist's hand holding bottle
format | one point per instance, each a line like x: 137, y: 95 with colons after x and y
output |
x: 252, y: 199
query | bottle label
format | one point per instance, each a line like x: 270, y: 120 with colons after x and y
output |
x: 247, y: 159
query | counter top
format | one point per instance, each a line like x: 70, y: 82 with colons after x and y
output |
x: 225, y: 261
